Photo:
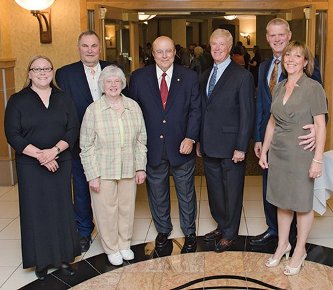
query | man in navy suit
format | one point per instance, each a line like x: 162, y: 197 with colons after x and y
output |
x: 173, y: 124
x: 278, y: 35
x: 80, y: 81
x: 227, y: 92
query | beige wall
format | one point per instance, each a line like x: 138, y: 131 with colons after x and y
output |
x: 20, y: 35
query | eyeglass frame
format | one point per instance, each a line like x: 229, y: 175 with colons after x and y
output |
x: 40, y: 69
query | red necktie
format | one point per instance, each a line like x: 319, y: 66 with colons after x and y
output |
x: 164, y: 90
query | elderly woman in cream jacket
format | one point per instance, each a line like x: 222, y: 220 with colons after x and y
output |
x: 113, y: 153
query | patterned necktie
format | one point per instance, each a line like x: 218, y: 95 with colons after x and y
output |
x: 164, y: 90
x: 212, y: 81
x: 274, y: 75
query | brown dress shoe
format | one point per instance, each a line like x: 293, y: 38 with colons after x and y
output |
x: 223, y: 245
x: 213, y: 235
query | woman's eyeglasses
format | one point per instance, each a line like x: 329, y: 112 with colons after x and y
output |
x: 39, y: 69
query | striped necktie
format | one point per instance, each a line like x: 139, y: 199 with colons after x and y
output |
x: 212, y: 81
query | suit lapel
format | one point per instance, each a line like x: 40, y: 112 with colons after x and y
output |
x: 82, y: 80
x: 175, y: 84
x: 266, y: 70
x: 226, y: 75
x: 153, y: 87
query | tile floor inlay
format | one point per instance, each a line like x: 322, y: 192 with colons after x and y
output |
x: 240, y: 268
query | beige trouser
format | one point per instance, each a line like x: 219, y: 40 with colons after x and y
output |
x: 113, y: 209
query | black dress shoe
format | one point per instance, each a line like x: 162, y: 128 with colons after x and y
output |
x: 190, y: 244
x: 67, y: 269
x: 263, y: 239
x: 161, y: 240
x: 41, y: 273
x: 213, y: 235
x: 223, y: 245
x: 85, y: 244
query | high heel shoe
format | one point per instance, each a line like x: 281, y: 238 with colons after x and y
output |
x: 290, y: 271
x: 270, y: 263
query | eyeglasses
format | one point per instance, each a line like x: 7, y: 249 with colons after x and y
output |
x: 161, y: 52
x: 40, y: 69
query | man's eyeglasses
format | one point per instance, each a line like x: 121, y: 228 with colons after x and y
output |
x: 39, y: 69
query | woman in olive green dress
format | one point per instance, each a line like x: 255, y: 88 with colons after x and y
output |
x: 297, y: 101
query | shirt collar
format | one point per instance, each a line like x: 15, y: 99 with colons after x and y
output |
x: 159, y: 72
x: 105, y: 104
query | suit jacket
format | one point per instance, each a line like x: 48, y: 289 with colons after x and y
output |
x: 179, y: 120
x: 72, y: 80
x: 264, y: 97
x: 228, y: 115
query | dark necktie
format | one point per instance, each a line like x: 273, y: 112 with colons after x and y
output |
x: 274, y: 75
x: 164, y: 90
x: 212, y: 81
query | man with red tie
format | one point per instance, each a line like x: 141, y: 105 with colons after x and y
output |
x: 168, y: 95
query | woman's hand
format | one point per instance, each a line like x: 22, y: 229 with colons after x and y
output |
x: 263, y: 161
x: 140, y: 177
x: 52, y: 166
x: 95, y: 184
x: 315, y: 170
x: 46, y: 155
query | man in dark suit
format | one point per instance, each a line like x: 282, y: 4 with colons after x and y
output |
x: 80, y: 81
x: 227, y: 92
x: 168, y: 95
x: 278, y: 35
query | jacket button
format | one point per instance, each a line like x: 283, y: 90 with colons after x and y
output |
x: 161, y: 137
x: 164, y: 121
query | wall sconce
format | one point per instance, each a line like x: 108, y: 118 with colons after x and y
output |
x: 247, y: 37
x: 43, y: 17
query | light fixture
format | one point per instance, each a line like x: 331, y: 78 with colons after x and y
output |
x: 230, y: 17
x: 246, y: 35
x: 43, y: 17
x: 145, y: 17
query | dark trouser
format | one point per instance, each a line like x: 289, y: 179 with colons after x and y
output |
x: 225, y: 184
x: 82, y: 202
x: 159, y: 195
x: 271, y: 211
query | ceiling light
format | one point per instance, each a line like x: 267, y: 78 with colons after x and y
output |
x: 230, y: 17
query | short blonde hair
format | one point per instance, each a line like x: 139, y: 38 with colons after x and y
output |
x: 278, y: 21
x: 223, y: 33
x: 32, y: 60
x: 305, y: 51
x: 111, y: 71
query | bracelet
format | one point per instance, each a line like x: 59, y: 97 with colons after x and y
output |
x: 58, y: 149
x: 317, y: 161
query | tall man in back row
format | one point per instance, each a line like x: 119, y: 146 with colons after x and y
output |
x: 278, y: 35
x: 80, y: 81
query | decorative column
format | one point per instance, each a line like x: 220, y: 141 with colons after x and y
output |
x: 7, y: 88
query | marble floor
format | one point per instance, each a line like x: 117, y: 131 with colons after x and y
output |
x: 240, y: 268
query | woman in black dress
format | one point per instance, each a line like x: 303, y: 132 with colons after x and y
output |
x: 41, y: 125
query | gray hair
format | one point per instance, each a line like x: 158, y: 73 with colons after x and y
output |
x: 111, y: 71
x: 223, y: 33
x: 278, y: 21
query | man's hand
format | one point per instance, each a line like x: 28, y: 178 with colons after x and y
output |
x: 308, y: 140
x: 238, y: 156
x: 186, y: 146
x: 257, y: 149
x: 95, y: 184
